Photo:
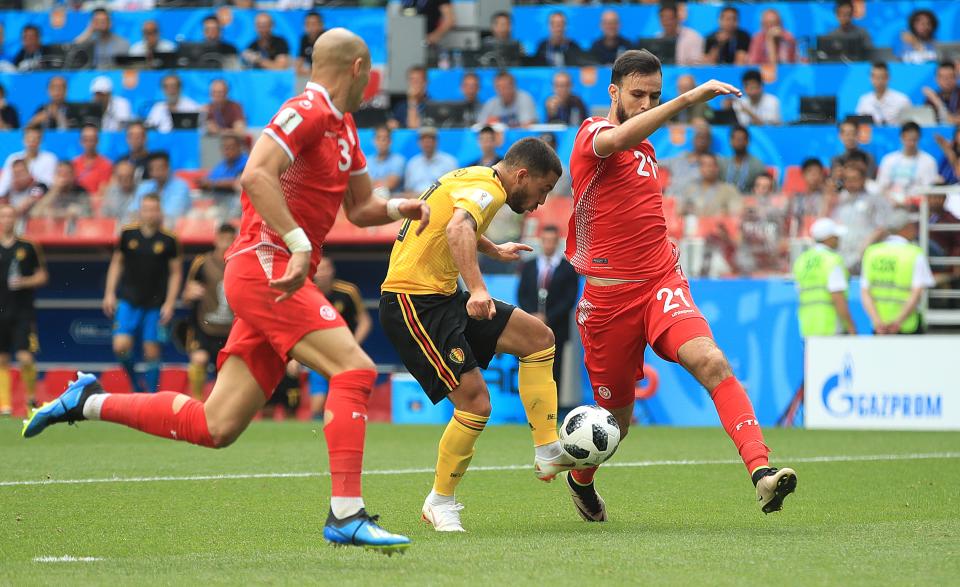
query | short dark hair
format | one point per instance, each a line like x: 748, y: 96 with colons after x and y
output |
x: 313, y: 13
x: 557, y: 13
x: 858, y: 155
x: 211, y: 17
x: 880, y: 65
x: 137, y: 123
x: 729, y: 8
x: 153, y: 156
x: 472, y: 74
x: 101, y: 9
x: 909, y: 126
x: 752, y: 75
x: 500, y: 14
x: 151, y: 196
x: 550, y: 228
x: 534, y: 155
x: 811, y: 162
x: 34, y: 128
x: 634, y: 62
x: 87, y: 125
x: 417, y: 68
x: 226, y: 228
x: 845, y: 122
x: 946, y: 65
x: 737, y: 128
x: 912, y: 22
x: 667, y: 7
x: 841, y: 3
x: 30, y: 27
x: 502, y: 74
x: 487, y: 130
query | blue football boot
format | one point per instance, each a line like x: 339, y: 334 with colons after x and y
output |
x: 361, y: 529
x: 66, y: 408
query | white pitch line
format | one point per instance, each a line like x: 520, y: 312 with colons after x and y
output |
x: 629, y: 464
x: 66, y: 559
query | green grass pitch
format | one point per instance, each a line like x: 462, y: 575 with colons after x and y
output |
x: 857, y: 521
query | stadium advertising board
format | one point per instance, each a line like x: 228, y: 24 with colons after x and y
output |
x: 891, y: 383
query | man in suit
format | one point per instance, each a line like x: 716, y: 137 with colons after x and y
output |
x: 548, y: 290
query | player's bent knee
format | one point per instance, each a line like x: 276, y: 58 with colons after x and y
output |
x: 544, y: 338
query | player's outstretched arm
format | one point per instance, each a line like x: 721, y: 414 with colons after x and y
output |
x: 462, y: 239
x: 636, y: 129
x: 365, y: 209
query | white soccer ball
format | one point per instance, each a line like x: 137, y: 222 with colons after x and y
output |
x: 590, y: 434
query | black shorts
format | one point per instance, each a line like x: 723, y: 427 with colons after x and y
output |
x: 436, y: 339
x: 198, y: 340
x: 18, y: 333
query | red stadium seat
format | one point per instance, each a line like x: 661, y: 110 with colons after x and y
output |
x: 192, y: 176
x: 712, y: 225
x: 774, y: 173
x: 95, y: 227
x: 793, y: 182
x: 174, y: 379
x: 196, y: 229
x: 663, y: 174
x: 556, y: 211
x: 41, y: 228
x: 116, y: 381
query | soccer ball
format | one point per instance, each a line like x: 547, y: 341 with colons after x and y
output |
x: 590, y: 434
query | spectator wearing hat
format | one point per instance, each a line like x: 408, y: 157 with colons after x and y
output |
x: 424, y: 168
x: 895, y: 274
x: 116, y: 109
x: 822, y: 283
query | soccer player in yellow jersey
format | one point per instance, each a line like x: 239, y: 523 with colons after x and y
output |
x: 444, y: 336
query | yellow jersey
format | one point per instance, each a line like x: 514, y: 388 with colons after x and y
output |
x: 422, y: 264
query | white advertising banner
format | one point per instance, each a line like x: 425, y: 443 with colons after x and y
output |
x: 882, y: 382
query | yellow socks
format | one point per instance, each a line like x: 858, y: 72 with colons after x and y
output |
x: 197, y: 374
x: 28, y: 374
x: 5, y: 385
x: 538, y: 392
x: 456, y: 450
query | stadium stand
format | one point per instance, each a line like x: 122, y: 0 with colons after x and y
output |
x: 818, y: 82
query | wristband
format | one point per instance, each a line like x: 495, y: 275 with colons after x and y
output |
x: 393, y: 209
x: 297, y: 241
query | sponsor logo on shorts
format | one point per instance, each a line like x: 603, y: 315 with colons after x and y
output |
x: 328, y: 313
x: 457, y: 355
x: 604, y: 392
x: 600, y: 260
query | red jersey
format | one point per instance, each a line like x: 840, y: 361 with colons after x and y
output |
x: 324, y: 150
x: 617, y: 230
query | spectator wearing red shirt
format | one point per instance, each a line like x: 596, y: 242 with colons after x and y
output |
x: 92, y: 170
x: 772, y: 44
x: 223, y: 114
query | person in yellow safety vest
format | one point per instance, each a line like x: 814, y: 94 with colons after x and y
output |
x: 895, y: 273
x: 821, y: 280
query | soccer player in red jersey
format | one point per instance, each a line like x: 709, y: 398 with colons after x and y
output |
x: 636, y: 293
x: 305, y: 166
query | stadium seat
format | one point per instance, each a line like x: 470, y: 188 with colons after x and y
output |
x: 192, y: 176
x: 555, y: 211
x: 116, y: 381
x: 793, y: 181
x: 174, y: 379
x: 95, y: 228
x: 191, y: 230
x: 663, y: 174
x: 711, y: 225
x: 44, y: 228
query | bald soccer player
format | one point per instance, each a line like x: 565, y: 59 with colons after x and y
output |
x: 305, y: 165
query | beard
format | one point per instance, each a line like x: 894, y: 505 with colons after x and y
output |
x: 621, y: 113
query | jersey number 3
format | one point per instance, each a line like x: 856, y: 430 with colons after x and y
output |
x: 345, y: 158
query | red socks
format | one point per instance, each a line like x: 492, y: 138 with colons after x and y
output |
x: 153, y: 414
x: 740, y: 422
x: 584, y: 476
x: 345, y: 416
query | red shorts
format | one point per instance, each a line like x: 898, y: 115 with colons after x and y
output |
x: 617, y: 322
x: 264, y: 331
